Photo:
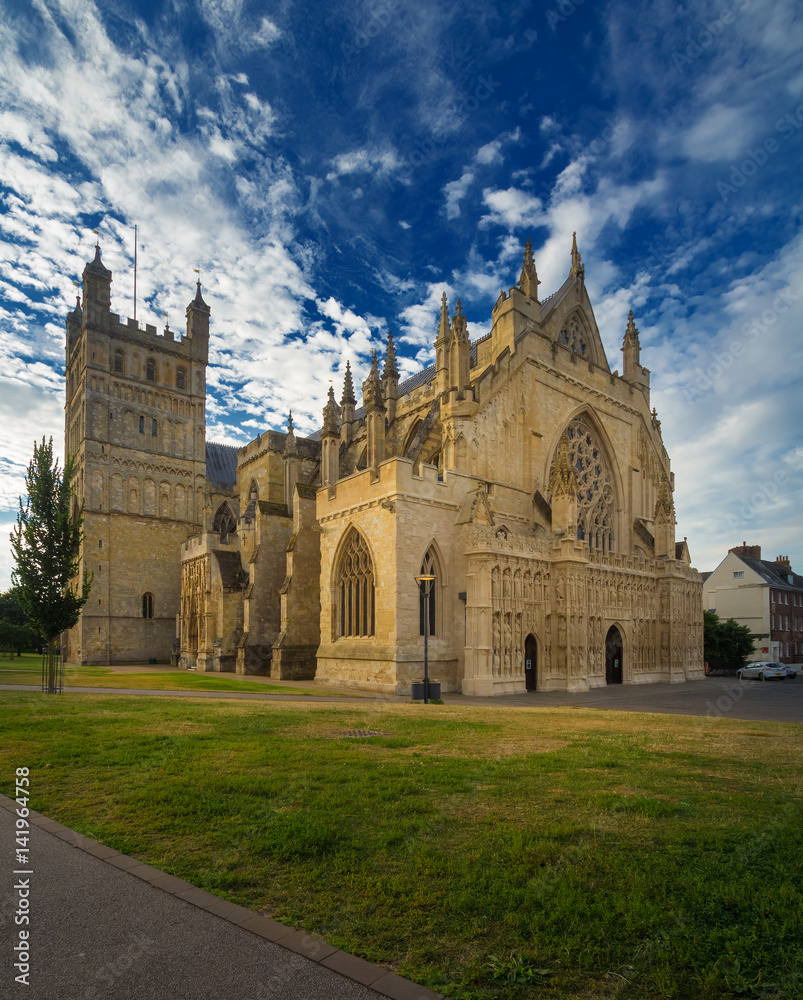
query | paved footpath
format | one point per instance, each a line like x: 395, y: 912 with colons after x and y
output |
x: 104, y: 926
x: 714, y: 697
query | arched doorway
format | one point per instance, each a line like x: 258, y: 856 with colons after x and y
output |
x: 531, y: 662
x: 613, y: 656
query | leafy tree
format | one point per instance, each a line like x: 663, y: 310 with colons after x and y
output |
x: 16, y: 635
x: 726, y: 645
x: 45, y: 544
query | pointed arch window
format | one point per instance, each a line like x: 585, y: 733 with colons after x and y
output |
x: 118, y: 361
x: 427, y: 616
x: 355, y: 587
x: 595, y: 493
x: 150, y: 370
x: 573, y: 336
x: 181, y: 378
x: 253, y: 491
x: 224, y: 523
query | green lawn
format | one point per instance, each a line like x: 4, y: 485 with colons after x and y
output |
x: 27, y: 669
x: 620, y: 854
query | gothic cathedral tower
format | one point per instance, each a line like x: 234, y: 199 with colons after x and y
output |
x: 134, y: 420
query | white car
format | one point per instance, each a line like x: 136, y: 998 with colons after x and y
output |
x: 762, y: 671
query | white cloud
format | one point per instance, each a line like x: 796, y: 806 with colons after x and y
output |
x: 362, y: 161
x: 486, y: 156
x: 419, y: 322
x: 722, y: 133
x: 455, y: 192
x: 512, y: 207
x: 267, y: 34
x: 489, y: 153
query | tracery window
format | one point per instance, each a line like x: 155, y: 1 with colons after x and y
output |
x: 573, y: 337
x: 356, y: 615
x: 595, y: 495
x: 429, y: 567
x: 224, y: 523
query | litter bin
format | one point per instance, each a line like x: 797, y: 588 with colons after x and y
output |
x: 418, y: 690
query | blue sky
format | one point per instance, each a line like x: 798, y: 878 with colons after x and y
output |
x: 332, y: 168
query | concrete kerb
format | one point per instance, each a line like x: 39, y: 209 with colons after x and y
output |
x: 375, y: 977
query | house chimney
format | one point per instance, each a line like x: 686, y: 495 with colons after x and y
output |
x: 751, y: 551
x: 783, y: 562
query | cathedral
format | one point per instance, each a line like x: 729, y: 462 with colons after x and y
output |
x: 522, y: 477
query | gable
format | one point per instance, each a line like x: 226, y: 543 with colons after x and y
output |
x: 570, y: 323
x: 723, y: 579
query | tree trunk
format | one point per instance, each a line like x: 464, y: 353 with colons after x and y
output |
x: 51, y: 666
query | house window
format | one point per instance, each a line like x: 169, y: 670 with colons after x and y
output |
x: 355, y: 588
x: 772, y: 621
x: 118, y: 361
x: 427, y: 621
x: 141, y: 425
x: 738, y: 575
x: 181, y: 378
x: 147, y: 605
x: 150, y: 370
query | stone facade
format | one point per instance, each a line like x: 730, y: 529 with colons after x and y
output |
x: 534, y: 484
x: 522, y: 473
x: 135, y: 422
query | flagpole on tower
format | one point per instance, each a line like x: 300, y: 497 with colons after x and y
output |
x: 135, y: 274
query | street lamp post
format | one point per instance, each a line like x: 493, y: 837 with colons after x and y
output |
x: 425, y: 582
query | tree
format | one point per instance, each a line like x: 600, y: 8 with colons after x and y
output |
x: 726, y: 645
x: 16, y: 635
x: 45, y: 543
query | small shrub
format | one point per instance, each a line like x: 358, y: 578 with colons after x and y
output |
x: 514, y: 970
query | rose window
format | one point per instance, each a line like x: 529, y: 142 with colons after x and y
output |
x: 595, y: 494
